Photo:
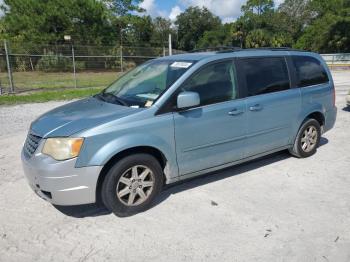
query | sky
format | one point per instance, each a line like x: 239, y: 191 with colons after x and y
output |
x: 227, y: 10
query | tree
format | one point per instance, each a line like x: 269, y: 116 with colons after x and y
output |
x: 192, y: 24
x: 328, y: 31
x: 48, y: 21
x: 258, y: 38
x: 124, y: 7
x: 339, y: 36
x: 317, y: 25
x: 220, y: 37
x: 327, y: 34
x: 255, y: 27
x: 298, y: 12
x: 161, y: 30
x: 138, y: 30
x: 258, y: 6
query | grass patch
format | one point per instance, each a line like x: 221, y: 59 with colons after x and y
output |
x: 36, y: 80
x: 44, y: 96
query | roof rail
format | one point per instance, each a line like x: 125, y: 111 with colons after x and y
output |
x: 227, y: 49
x: 274, y: 49
x: 220, y: 49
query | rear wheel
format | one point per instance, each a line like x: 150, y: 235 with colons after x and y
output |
x: 307, y: 140
x: 132, y: 184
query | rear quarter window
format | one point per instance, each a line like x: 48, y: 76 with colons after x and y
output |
x: 309, y: 71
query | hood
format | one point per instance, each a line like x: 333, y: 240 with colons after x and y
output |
x: 77, y: 116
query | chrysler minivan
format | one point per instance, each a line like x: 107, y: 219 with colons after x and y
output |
x: 178, y: 117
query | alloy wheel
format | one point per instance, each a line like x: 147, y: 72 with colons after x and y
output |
x: 135, y: 185
x: 309, y: 139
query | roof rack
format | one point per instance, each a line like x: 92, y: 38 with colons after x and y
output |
x: 274, y: 49
x: 227, y: 49
x: 221, y: 49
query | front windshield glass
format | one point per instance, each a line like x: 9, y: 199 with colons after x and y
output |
x: 144, y: 84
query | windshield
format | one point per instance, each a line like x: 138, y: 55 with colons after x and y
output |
x: 144, y: 84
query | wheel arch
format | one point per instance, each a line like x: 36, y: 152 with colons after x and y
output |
x: 318, y: 116
x: 155, y: 152
x: 314, y: 114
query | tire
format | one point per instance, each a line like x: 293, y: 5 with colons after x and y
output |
x: 121, y: 189
x: 307, y: 139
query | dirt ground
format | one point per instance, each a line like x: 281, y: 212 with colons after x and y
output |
x: 278, y: 208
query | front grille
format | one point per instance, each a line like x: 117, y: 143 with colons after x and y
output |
x: 31, y: 144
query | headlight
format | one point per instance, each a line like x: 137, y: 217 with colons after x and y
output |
x: 62, y: 148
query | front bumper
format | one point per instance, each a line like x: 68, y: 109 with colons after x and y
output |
x: 60, y: 182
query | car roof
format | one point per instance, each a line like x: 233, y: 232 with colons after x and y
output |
x: 212, y: 55
x: 190, y: 56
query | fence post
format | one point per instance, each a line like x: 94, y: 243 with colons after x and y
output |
x: 31, y: 63
x: 9, y: 72
x: 170, y: 47
x: 121, y: 58
x: 74, y: 70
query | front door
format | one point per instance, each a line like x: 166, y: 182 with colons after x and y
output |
x: 212, y: 134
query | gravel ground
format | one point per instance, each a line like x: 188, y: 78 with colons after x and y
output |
x: 278, y: 208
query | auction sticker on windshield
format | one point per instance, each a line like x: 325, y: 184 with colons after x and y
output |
x: 181, y: 64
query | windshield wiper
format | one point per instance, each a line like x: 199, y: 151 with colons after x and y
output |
x: 99, y: 96
x: 111, y: 98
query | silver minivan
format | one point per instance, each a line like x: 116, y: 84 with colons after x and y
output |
x: 178, y: 117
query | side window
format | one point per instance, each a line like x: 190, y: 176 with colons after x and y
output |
x: 214, y: 83
x: 309, y: 71
x: 264, y: 75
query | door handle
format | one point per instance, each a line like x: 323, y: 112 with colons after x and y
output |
x: 256, y: 107
x: 235, y: 112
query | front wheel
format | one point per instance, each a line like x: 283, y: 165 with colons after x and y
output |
x: 132, y: 184
x: 307, y: 140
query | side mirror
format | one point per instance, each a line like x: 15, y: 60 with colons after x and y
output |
x: 187, y: 99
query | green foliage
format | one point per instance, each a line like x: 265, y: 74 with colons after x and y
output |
x: 257, y: 26
x: 220, y: 37
x: 317, y: 25
x: 258, y: 38
x: 21, y: 64
x: 192, y: 24
x: 339, y: 36
x: 327, y: 34
x: 123, y: 7
x: 281, y: 40
x: 39, y: 97
x: 138, y: 30
x: 58, y: 63
x: 329, y: 30
x: 258, y: 6
x: 263, y: 38
x: 293, y: 16
x: 48, y: 21
x: 161, y: 30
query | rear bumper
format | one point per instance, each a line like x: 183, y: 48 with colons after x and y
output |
x: 330, y: 117
x: 59, y: 182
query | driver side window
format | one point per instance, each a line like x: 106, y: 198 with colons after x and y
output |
x: 214, y: 83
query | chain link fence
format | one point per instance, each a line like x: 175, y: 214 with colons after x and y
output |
x: 340, y: 59
x: 27, y: 68
x: 38, y: 67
